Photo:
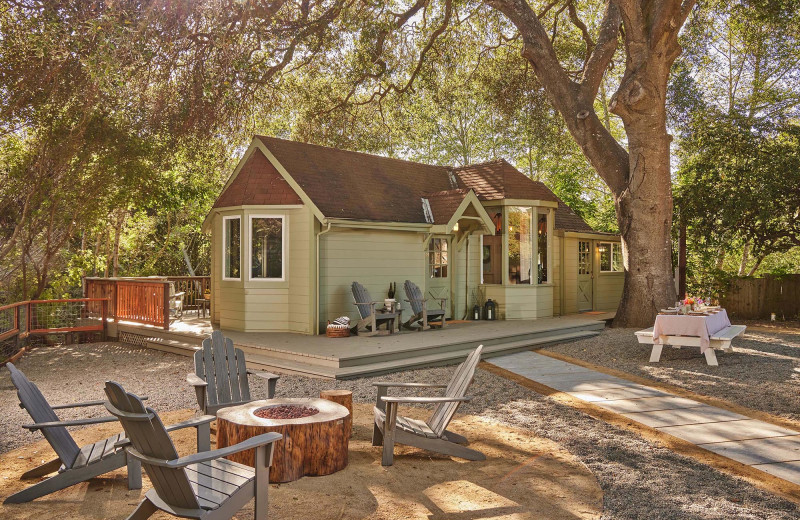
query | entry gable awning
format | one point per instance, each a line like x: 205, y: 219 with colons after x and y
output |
x: 443, y: 209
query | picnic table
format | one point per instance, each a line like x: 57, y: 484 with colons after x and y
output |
x: 708, y: 329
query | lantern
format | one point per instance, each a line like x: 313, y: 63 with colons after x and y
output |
x: 476, y: 312
x: 490, y: 310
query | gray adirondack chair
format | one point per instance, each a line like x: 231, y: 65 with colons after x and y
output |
x: 220, y: 378
x: 370, y: 317
x: 204, y: 485
x: 419, y: 306
x: 74, y: 464
x: 390, y: 428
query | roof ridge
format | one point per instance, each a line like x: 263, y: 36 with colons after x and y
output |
x: 408, y: 161
x: 500, y: 160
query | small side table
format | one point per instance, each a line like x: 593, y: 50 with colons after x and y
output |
x: 203, y: 304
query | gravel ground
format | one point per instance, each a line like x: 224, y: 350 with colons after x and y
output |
x: 640, y: 479
x: 762, y: 373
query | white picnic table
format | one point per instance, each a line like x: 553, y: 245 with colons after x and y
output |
x: 708, y: 330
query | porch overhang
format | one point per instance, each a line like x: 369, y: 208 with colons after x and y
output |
x: 480, y: 223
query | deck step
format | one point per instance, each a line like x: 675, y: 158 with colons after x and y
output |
x: 445, y: 358
x: 461, y: 346
x: 172, y: 346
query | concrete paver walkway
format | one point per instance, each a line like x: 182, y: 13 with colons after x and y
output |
x: 770, y: 448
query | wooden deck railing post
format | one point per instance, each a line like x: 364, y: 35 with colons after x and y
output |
x: 16, y: 326
x: 165, y: 288
x: 28, y: 317
x: 104, y: 317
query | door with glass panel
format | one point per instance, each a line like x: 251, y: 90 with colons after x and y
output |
x: 585, y: 275
x: 439, y: 271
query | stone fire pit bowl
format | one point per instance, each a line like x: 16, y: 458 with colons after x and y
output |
x: 312, y: 445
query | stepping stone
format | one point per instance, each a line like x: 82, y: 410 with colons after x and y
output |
x: 648, y: 404
x: 577, y: 377
x: 696, y: 415
x: 759, y: 451
x: 786, y: 470
x: 615, y: 394
x: 727, y: 431
x: 591, y: 384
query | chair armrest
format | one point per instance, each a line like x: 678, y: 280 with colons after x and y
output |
x: 83, y: 404
x: 388, y: 399
x: 205, y: 456
x: 178, y: 294
x: 194, y: 421
x: 264, y: 375
x: 74, y: 422
x: 409, y: 385
x: 195, y: 380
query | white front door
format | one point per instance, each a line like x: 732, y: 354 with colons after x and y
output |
x: 439, y: 272
x: 585, y: 275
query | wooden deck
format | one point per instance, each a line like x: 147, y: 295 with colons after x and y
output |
x: 359, y: 356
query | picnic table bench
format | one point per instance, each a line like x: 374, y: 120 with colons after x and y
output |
x: 720, y: 339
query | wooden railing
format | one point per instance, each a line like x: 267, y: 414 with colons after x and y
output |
x: 66, y: 316
x: 146, y: 300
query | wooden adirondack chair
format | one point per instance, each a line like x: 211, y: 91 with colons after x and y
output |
x: 369, y: 316
x: 74, y: 464
x: 432, y: 434
x: 204, y: 485
x: 419, y: 306
x: 220, y: 378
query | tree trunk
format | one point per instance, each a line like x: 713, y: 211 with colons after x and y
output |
x: 644, y: 214
x: 745, y: 259
x: 639, y: 177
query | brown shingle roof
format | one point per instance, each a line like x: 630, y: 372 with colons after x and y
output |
x: 258, y: 183
x: 360, y: 186
x: 568, y: 220
x: 354, y: 185
x: 499, y: 180
x: 444, y: 204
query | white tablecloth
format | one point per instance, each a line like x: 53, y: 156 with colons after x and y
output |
x: 685, y: 325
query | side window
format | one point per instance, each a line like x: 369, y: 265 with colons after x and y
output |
x: 231, y: 248
x: 437, y: 258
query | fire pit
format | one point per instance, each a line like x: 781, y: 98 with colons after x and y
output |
x: 315, y: 435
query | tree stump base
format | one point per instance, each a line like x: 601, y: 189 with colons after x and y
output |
x: 313, y: 445
x: 344, y: 398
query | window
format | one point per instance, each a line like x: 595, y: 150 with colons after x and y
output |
x: 266, y: 248
x: 231, y: 247
x: 437, y: 258
x: 520, y: 245
x: 542, y: 251
x: 610, y: 257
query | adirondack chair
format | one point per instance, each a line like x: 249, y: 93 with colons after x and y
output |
x: 204, y: 485
x: 370, y: 317
x: 419, y: 306
x: 220, y: 378
x: 74, y: 464
x: 390, y: 428
x: 175, y: 302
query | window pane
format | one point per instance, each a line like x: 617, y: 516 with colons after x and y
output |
x: 437, y: 258
x: 267, y: 248
x: 616, y: 258
x: 232, y: 247
x: 542, y: 231
x: 605, y: 256
x: 520, y: 245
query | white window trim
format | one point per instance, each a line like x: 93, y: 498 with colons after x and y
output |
x: 611, y: 257
x: 224, y: 246
x: 284, y: 233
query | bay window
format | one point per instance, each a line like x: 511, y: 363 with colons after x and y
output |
x: 231, y: 248
x: 266, y: 248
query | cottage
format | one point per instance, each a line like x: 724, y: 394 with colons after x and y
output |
x: 297, y: 223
